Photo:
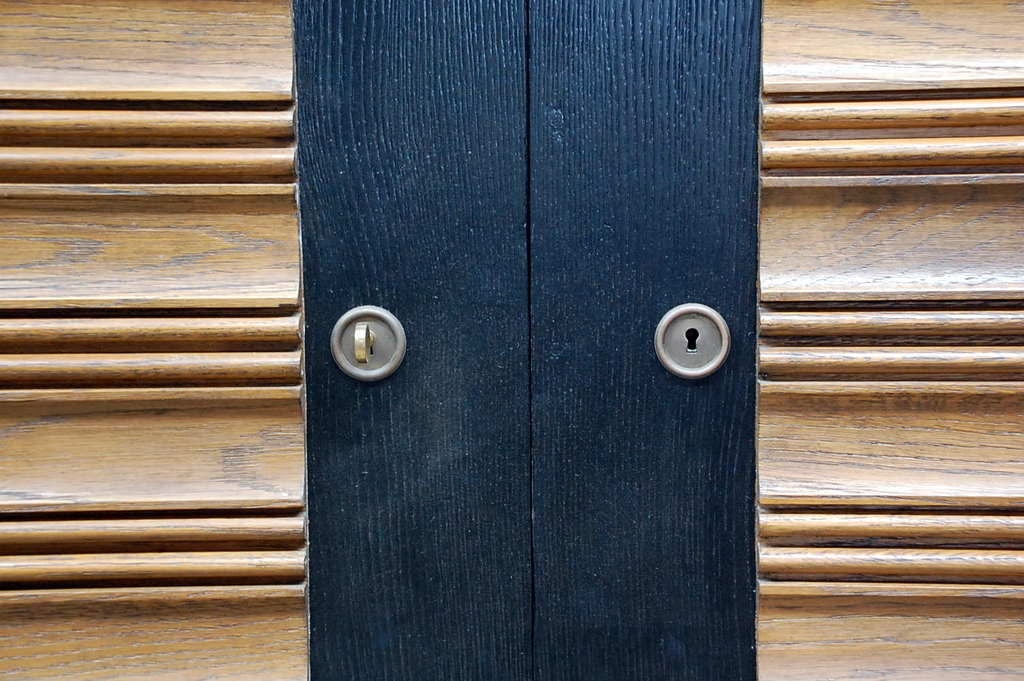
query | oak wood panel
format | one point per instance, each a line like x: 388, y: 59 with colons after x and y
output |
x: 978, y: 566
x: 918, y: 445
x: 884, y: 363
x: 128, y: 127
x: 913, y: 325
x: 149, y: 50
x: 937, y: 179
x: 906, y: 114
x: 150, y: 369
x: 236, y: 633
x: 151, y: 449
x: 890, y: 153
x: 146, y: 164
x: 177, y: 567
x: 133, y: 248
x: 114, y: 535
x: 892, y: 243
x: 153, y: 334
x: 827, y: 46
x: 851, y: 632
x: 891, y: 529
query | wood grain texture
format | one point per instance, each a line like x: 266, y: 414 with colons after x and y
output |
x: 886, y: 363
x: 917, y: 326
x: 135, y: 449
x: 135, y: 249
x: 890, y: 153
x: 828, y: 46
x: 891, y: 529
x: 897, y: 632
x: 412, y: 123
x: 120, y: 535
x: 146, y: 164
x: 879, y: 243
x: 150, y: 369
x: 129, y: 127
x: 177, y: 567
x: 909, y: 445
x: 904, y: 114
x: 234, y: 633
x: 153, y: 50
x: 152, y: 334
x: 643, y: 196
x: 977, y: 566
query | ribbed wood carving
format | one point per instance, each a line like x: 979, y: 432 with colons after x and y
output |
x: 151, y: 427
x: 891, y: 454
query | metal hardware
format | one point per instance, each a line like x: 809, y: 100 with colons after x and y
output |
x: 364, y: 339
x: 368, y: 343
x: 692, y: 341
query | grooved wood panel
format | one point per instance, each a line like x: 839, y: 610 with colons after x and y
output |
x: 146, y: 50
x: 882, y: 243
x: 151, y: 422
x: 892, y: 341
x: 896, y: 632
x: 125, y: 248
x: 227, y: 633
x: 151, y: 449
x: 851, y: 46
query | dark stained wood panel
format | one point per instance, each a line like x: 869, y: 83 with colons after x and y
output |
x: 228, y: 633
x: 412, y: 128
x: 146, y: 50
x: 643, y: 197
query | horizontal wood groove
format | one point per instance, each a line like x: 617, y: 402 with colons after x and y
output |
x: 982, y: 566
x: 154, y: 334
x: 69, y: 536
x: 931, y: 363
x: 135, y: 190
x: 887, y: 323
x: 213, y: 567
x: 892, y: 529
x: 950, y: 179
x: 150, y: 369
x: 78, y: 127
x: 931, y: 113
x: 158, y: 164
x: 893, y: 153
x: 882, y: 590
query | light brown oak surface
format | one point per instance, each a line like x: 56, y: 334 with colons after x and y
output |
x: 868, y: 46
x: 152, y: 519
x: 891, y: 405
x: 208, y: 633
x: 216, y: 50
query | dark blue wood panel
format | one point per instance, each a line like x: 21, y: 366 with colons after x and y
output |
x: 643, y: 196
x: 412, y: 125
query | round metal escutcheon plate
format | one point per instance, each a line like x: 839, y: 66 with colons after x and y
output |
x: 368, y: 343
x: 692, y: 341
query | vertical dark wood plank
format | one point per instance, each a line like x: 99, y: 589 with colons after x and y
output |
x: 412, y: 124
x: 643, y: 196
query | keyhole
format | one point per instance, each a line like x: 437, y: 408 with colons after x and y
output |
x: 691, y: 340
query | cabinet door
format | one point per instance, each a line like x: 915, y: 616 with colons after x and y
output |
x: 529, y: 187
